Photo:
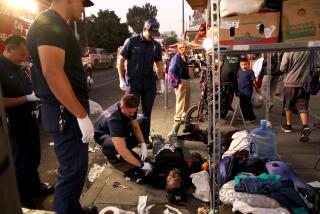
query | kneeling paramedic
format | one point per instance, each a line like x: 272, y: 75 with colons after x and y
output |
x: 119, y: 129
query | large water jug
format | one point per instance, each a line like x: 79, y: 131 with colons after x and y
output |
x: 263, y: 142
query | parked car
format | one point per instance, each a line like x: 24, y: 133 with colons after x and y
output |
x: 99, y: 57
x: 86, y: 62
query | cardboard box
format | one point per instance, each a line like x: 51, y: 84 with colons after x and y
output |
x: 250, y: 29
x: 300, y: 20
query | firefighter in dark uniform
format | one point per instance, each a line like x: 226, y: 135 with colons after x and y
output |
x: 19, y: 102
x: 119, y: 129
x: 60, y: 82
x: 142, y: 52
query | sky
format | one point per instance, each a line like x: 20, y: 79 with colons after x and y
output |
x: 169, y: 11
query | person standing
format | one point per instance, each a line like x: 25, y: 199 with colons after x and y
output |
x: 178, y: 74
x: 296, y: 67
x: 246, y: 82
x: 141, y: 52
x: 275, y: 73
x: 229, y: 65
x: 60, y: 82
x: 20, y: 102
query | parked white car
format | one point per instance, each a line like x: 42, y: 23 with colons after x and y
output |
x: 99, y: 57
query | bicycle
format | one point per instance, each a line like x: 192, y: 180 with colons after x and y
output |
x: 197, y: 115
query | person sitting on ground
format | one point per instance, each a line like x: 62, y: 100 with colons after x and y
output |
x: 171, y: 171
x: 119, y: 129
x: 246, y: 81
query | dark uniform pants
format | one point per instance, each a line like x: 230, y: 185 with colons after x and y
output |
x: 147, y: 98
x: 106, y: 142
x: 25, y: 144
x: 72, y: 155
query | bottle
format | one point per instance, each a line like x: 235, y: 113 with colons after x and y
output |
x: 263, y: 142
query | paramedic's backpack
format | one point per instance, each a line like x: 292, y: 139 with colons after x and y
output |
x: 282, y: 169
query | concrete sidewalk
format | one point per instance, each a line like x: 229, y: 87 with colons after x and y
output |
x: 301, y: 157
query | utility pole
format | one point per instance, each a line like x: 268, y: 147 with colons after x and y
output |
x: 182, y: 34
x: 86, y: 42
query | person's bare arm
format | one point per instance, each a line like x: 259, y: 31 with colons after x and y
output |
x: 121, y: 67
x: 255, y: 84
x: 10, y: 102
x: 159, y: 70
x: 52, y: 63
x: 120, y: 146
x: 137, y: 131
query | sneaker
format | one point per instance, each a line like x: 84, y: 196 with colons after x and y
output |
x: 286, y: 128
x: 305, y: 132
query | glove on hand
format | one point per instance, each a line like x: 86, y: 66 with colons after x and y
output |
x: 147, y: 168
x: 32, y: 97
x: 143, y: 151
x: 123, y: 85
x: 86, y: 128
x: 95, y: 108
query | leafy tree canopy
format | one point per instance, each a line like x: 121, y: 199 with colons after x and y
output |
x: 136, y: 16
x: 104, y: 31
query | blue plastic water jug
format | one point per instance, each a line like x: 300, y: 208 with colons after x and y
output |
x: 263, y: 142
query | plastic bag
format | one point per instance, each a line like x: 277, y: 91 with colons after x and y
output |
x: 232, y: 7
x: 201, y: 182
x: 256, y: 100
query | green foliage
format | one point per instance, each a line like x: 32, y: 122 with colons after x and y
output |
x: 104, y: 31
x: 170, y: 40
x: 136, y: 16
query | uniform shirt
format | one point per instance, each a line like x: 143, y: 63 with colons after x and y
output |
x: 15, y: 82
x: 245, y: 82
x: 141, y: 55
x: 113, y: 123
x: 229, y: 68
x: 51, y: 29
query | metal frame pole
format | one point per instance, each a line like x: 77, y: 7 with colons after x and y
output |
x: 267, y: 116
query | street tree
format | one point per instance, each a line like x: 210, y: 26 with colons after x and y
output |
x: 169, y: 40
x: 104, y: 30
x: 136, y: 16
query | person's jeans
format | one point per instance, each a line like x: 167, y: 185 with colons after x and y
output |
x: 72, y: 155
x: 283, y: 191
x: 246, y: 107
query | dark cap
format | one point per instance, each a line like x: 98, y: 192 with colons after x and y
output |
x: 87, y: 3
x: 152, y: 26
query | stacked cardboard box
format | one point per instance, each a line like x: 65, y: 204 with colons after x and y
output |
x: 300, y: 20
x: 250, y: 29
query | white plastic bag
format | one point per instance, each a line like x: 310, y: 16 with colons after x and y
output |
x: 232, y: 7
x: 256, y: 100
x: 201, y: 182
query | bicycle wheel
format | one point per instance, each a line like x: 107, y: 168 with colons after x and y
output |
x: 201, y: 121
